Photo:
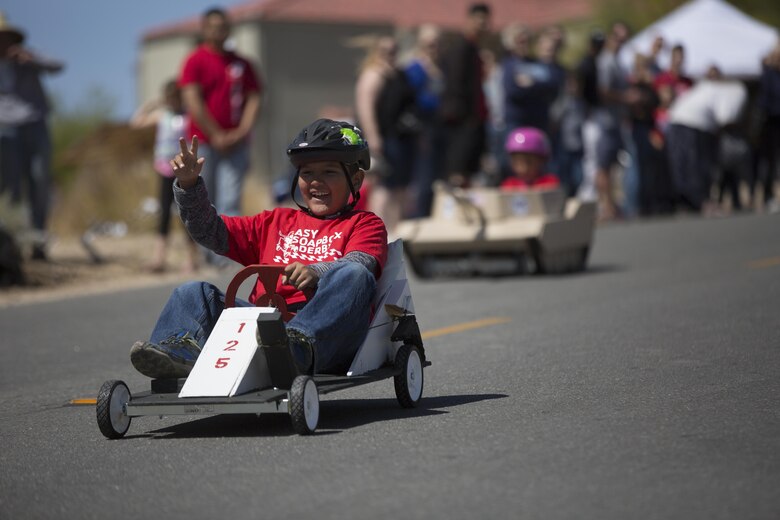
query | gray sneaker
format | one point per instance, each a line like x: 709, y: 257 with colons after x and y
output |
x: 172, y: 358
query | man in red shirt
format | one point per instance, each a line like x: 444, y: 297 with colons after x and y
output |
x: 221, y: 92
x: 325, y: 245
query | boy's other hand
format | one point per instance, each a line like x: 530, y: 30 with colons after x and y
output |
x: 300, y: 276
x: 186, y: 164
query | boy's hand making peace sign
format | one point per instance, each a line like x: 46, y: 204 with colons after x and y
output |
x: 187, y: 165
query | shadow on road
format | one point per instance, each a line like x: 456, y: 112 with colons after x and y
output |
x: 599, y: 269
x: 335, y: 416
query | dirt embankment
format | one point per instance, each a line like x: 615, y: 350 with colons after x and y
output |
x: 70, y: 270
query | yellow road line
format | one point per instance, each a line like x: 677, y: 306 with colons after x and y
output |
x: 83, y: 402
x: 463, y: 327
x: 764, y: 262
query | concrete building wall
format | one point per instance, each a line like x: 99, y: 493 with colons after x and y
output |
x: 247, y: 38
x: 159, y: 61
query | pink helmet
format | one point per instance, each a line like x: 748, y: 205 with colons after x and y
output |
x: 527, y: 140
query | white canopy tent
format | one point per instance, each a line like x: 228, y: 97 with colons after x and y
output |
x: 713, y: 32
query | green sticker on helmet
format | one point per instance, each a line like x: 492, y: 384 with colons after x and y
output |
x: 350, y: 136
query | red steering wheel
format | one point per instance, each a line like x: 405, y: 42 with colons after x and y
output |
x: 269, y: 277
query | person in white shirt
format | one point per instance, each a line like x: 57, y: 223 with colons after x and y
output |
x: 695, y: 119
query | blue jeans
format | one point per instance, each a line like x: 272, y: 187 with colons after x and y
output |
x: 429, y: 163
x: 336, y: 319
x: 632, y: 175
x: 26, y: 168
x: 691, y: 154
x: 224, y: 176
x: 569, y: 170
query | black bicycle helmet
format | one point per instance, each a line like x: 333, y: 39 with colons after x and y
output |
x: 328, y: 140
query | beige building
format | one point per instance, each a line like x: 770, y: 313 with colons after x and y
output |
x: 308, y: 53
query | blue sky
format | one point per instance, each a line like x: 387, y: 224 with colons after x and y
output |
x: 98, y: 40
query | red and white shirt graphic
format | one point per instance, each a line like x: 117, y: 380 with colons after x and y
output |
x: 284, y: 236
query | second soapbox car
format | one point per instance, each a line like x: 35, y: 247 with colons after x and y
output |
x: 233, y: 374
x: 484, y: 230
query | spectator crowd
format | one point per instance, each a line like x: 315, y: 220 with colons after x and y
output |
x: 641, y: 140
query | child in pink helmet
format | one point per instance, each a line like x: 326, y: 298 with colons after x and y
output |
x: 529, y: 150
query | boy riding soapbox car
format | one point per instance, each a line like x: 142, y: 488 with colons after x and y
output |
x: 234, y: 375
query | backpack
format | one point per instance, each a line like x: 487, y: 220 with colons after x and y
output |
x: 397, y: 108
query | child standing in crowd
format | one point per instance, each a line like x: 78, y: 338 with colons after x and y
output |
x: 529, y: 150
x: 325, y: 245
x: 171, y: 122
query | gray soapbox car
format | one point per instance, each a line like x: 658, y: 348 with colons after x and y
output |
x: 233, y: 374
x: 483, y: 230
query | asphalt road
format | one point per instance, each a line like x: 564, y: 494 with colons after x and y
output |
x: 647, y: 387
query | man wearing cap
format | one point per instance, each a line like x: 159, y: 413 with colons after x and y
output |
x: 25, y: 153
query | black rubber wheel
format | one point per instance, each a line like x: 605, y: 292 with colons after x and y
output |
x: 582, y: 261
x: 524, y: 263
x: 538, y: 257
x: 409, y: 381
x: 304, y: 405
x: 112, y: 418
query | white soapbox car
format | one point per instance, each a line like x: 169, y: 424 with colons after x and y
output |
x: 488, y: 230
x: 234, y: 375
